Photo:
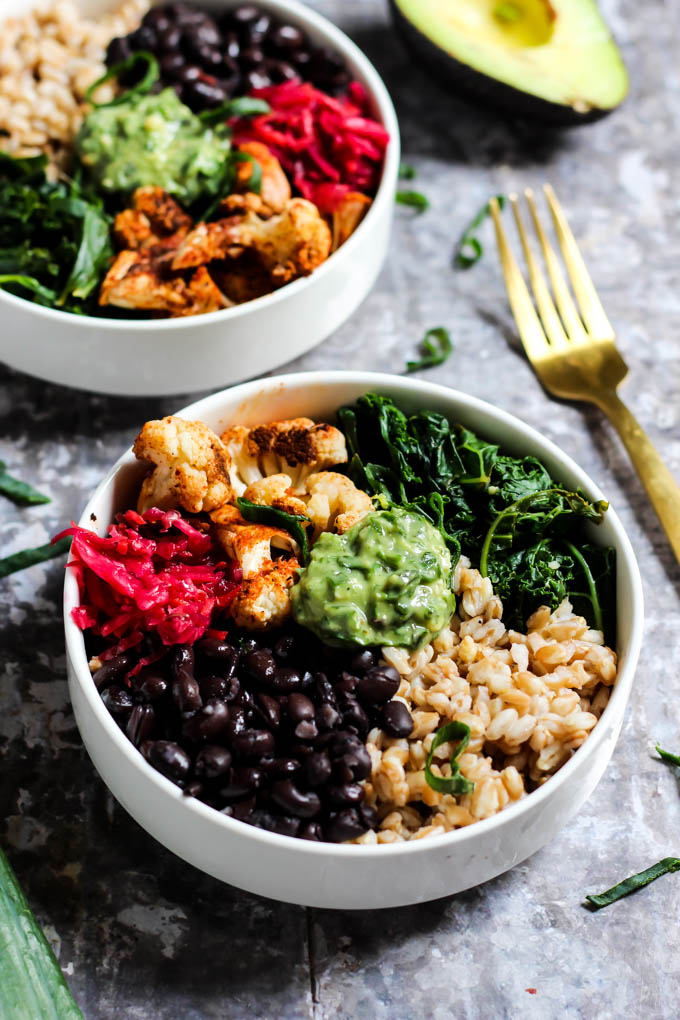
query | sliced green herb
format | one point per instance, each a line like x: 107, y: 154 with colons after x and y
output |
x: 32, y: 986
x: 415, y: 199
x: 292, y: 523
x: 149, y: 79
x: 30, y: 283
x: 590, y: 581
x: 18, y: 491
x: 223, y: 185
x: 93, y: 256
x: 630, y: 885
x: 672, y: 759
x: 29, y: 557
x: 406, y: 171
x: 456, y: 783
x: 469, y: 249
x: 240, y: 106
x: 435, y: 353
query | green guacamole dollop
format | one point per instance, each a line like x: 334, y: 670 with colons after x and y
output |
x: 151, y: 140
x: 386, y: 581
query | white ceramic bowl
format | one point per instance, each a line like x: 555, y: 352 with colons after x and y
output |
x: 165, y: 356
x: 323, y: 874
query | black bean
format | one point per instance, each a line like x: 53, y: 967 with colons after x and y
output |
x: 189, y: 74
x: 362, y: 661
x: 150, y: 685
x: 244, y: 809
x: 299, y: 707
x: 368, y: 815
x: 324, y: 689
x: 140, y: 725
x: 118, y: 700
x: 345, y: 825
x: 242, y: 782
x: 286, y: 680
x: 306, y: 730
x: 351, y: 760
x: 261, y: 665
x: 354, y: 717
x: 280, y: 71
x: 326, y: 61
x: 317, y: 768
x: 206, y: 33
x: 169, y: 40
x: 269, y: 711
x: 252, y: 744
x: 279, y: 767
x: 215, y: 648
x: 232, y: 46
x: 287, y: 796
x: 345, y: 794
x: 112, y: 670
x: 194, y: 789
x: 212, y: 761
x: 119, y: 49
x: 312, y: 831
x: 379, y: 684
x: 256, y: 79
x: 245, y: 699
x: 168, y: 758
x: 244, y: 14
x: 396, y: 720
x: 284, y: 648
x: 237, y: 721
x: 186, y: 695
x: 301, y: 60
x: 252, y: 56
x: 209, y: 58
x: 157, y: 19
x: 201, y: 95
x: 257, y: 30
x: 144, y: 38
x: 327, y: 717
x: 284, y: 825
x: 347, y: 683
x: 286, y: 37
x: 208, y: 723
x: 214, y: 687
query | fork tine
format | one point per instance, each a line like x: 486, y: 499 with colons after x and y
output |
x: 565, y: 303
x: 546, y: 307
x: 591, y: 308
x: 528, y: 324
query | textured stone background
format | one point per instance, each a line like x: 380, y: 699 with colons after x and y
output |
x: 142, y: 935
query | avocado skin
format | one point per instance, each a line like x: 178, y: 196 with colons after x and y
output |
x: 479, y: 88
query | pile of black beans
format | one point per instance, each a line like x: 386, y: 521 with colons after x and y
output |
x: 209, y: 58
x: 271, y: 732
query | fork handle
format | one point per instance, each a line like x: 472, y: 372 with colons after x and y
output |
x: 656, y: 478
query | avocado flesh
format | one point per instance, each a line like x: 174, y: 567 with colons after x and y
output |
x: 555, y: 60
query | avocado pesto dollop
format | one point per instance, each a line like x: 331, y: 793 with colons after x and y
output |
x: 386, y: 581
x: 151, y: 140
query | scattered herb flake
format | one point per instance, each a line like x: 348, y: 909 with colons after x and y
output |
x: 415, y: 199
x: 240, y: 106
x: 18, y: 491
x: 672, y: 759
x: 630, y: 885
x: 469, y: 249
x: 456, y: 783
x: 406, y: 171
x: 149, y: 79
x: 29, y: 557
x: 435, y: 353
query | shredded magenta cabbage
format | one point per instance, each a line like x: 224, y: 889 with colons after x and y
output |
x: 153, y: 573
x: 329, y: 147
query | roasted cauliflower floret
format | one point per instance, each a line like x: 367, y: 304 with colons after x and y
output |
x: 296, y: 448
x: 275, y: 188
x: 191, y: 466
x: 276, y: 491
x: 334, y: 502
x: 250, y: 544
x: 264, y: 601
x: 347, y: 216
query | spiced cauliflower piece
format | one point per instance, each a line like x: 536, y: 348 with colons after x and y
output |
x: 191, y: 466
x: 263, y: 599
x: 297, y: 448
x: 334, y: 502
x: 330, y: 500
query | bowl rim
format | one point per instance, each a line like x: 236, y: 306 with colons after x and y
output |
x: 75, y: 642
x: 336, y: 38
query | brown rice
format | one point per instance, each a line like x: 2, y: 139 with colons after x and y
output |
x: 530, y: 700
x: 48, y: 59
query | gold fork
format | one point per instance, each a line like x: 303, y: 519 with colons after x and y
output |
x: 572, y: 349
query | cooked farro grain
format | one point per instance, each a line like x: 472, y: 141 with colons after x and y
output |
x: 48, y: 58
x: 529, y: 699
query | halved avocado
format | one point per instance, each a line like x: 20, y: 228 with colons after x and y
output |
x: 550, y: 59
